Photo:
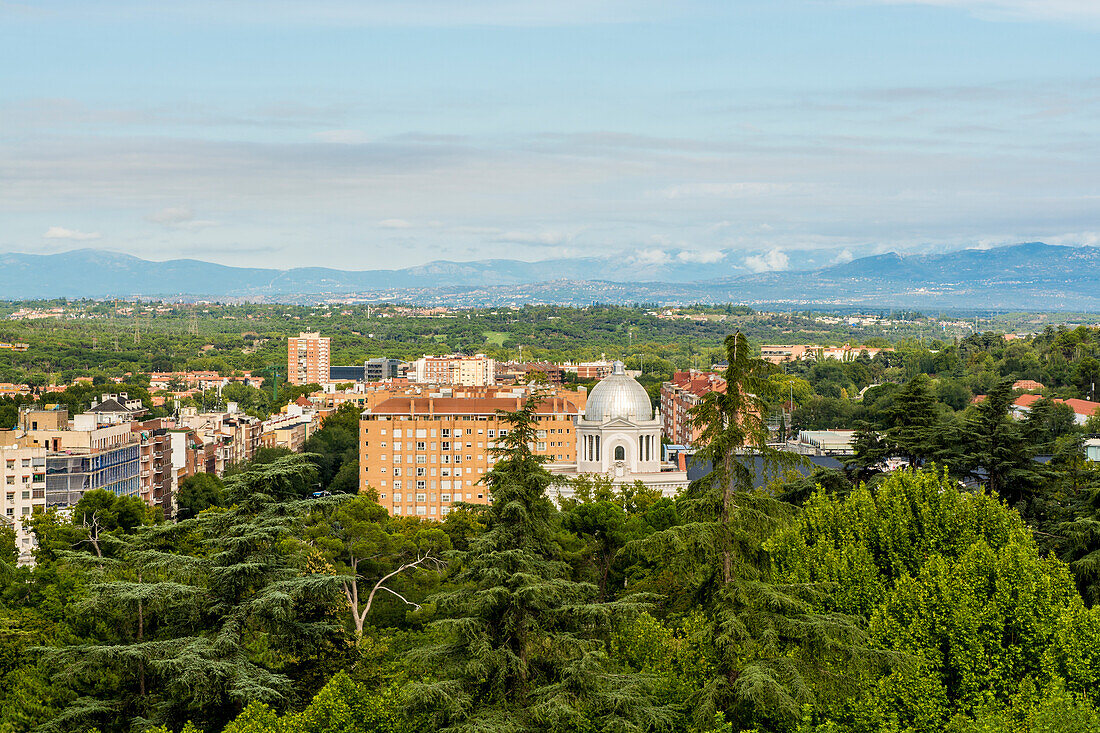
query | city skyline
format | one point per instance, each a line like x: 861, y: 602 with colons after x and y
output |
x: 767, y: 136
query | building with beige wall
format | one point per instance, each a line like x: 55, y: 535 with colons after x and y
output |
x: 423, y: 454
x: 81, y: 454
x: 470, y: 371
x: 22, y: 491
x: 307, y: 358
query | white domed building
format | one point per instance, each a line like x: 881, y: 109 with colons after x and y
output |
x: 619, y: 436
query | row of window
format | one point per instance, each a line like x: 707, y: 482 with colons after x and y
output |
x: 421, y: 496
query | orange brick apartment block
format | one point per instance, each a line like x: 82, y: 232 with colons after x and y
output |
x: 423, y: 454
x: 679, y: 396
x: 307, y: 359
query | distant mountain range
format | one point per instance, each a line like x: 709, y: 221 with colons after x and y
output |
x: 1033, y: 276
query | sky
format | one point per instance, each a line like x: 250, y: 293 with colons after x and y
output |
x: 744, y: 135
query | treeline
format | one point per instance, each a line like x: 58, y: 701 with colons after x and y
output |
x: 110, y: 339
x: 908, y: 603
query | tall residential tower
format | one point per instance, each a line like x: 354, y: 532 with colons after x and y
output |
x: 307, y: 359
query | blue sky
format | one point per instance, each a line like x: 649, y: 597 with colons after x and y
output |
x: 387, y: 133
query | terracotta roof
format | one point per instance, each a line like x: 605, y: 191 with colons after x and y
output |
x: 467, y: 406
x: 1082, y: 407
x: 977, y: 399
x: 1027, y: 400
x: 1028, y: 385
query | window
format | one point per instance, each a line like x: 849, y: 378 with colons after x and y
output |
x: 421, y: 458
x: 620, y: 453
x: 26, y: 495
x: 421, y: 497
x: 445, y: 433
x: 421, y: 471
x: 446, y: 445
x: 492, y: 433
x: 421, y: 485
x: 445, y: 497
x: 397, y: 485
x: 458, y: 458
x: 421, y: 445
x: 397, y: 494
x: 397, y: 470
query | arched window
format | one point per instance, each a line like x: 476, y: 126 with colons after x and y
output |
x: 620, y: 453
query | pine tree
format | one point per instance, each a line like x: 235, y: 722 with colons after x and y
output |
x: 998, y: 453
x: 522, y: 649
x: 770, y: 644
x: 204, y: 616
x: 912, y: 421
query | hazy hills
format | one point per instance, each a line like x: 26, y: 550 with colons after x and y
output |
x: 1032, y: 276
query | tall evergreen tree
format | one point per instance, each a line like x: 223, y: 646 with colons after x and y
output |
x: 768, y: 640
x: 912, y: 420
x: 522, y: 648
x: 998, y: 453
x: 203, y: 616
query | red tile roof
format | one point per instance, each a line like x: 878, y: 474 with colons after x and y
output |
x: 1082, y: 407
x: 1027, y: 400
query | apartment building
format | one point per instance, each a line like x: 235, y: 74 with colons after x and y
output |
x: 115, y: 409
x: 23, y: 487
x: 679, y: 396
x: 156, y: 481
x: 291, y: 428
x: 81, y: 454
x: 307, y: 358
x: 423, y: 454
x: 470, y: 371
x: 588, y: 370
x: 235, y: 437
x: 514, y: 371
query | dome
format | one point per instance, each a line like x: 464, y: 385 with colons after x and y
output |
x: 618, y: 395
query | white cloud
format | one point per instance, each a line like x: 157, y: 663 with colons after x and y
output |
x: 341, y: 137
x: 723, y: 190
x: 179, y: 217
x: 395, y: 224
x: 703, y: 258
x: 540, y: 239
x: 374, y: 13
x: 652, y: 257
x: 1086, y: 239
x: 63, y: 233
x: 844, y: 255
x: 772, y: 261
x: 171, y: 215
x: 1057, y: 10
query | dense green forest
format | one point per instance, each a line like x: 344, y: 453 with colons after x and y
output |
x: 957, y: 594
x: 102, y: 341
